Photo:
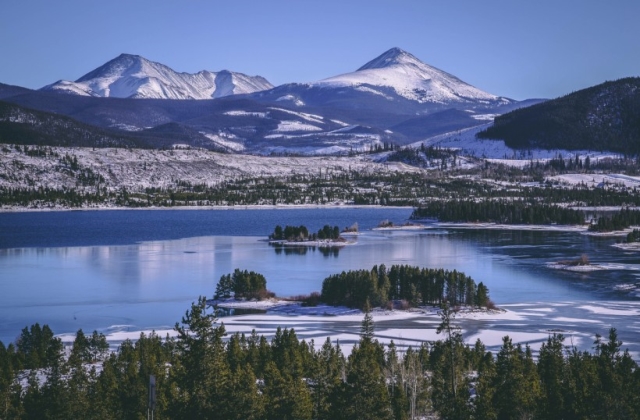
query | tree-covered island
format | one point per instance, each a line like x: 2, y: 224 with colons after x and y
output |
x: 300, y: 235
x: 404, y: 286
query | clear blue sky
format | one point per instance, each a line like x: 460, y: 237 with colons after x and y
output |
x: 519, y: 49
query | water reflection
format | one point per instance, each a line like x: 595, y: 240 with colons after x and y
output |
x: 326, y: 251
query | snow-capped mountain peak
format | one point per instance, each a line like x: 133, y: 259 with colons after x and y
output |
x: 394, y: 56
x: 399, y: 71
x: 133, y: 76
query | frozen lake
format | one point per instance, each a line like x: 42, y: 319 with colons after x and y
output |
x: 137, y: 270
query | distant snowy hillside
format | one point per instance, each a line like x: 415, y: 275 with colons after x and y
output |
x: 411, y: 79
x: 132, y: 76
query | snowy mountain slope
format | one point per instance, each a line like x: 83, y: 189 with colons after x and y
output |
x: 497, y: 151
x: 411, y: 79
x: 132, y: 76
x: 394, y: 83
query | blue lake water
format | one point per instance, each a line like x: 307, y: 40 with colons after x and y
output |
x: 143, y: 268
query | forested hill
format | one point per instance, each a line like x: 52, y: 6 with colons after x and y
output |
x: 605, y: 117
x: 19, y: 125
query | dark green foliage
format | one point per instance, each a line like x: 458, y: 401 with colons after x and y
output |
x: 301, y: 233
x: 482, y: 296
x: 633, y: 236
x: 202, y: 372
x: 37, y: 347
x: 603, y: 117
x: 225, y: 287
x: 243, y: 284
x: 513, y: 212
x: 617, y: 221
x: 517, y: 385
x: 415, y: 285
x: 290, y: 233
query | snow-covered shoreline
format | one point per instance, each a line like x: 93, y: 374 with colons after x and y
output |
x: 526, y: 323
x: 628, y: 246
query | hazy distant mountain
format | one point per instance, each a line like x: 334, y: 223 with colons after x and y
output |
x: 603, y: 117
x: 132, y: 76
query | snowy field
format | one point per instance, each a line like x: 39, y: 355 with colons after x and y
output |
x: 137, y: 169
x: 596, y: 180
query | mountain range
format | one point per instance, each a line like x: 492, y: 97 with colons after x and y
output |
x: 132, y: 76
x: 394, y: 98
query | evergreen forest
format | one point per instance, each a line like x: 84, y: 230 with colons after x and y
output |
x: 203, y: 373
x: 498, y: 211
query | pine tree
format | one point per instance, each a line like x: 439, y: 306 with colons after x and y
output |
x: 201, y: 371
x: 551, y: 371
x: 286, y: 398
x: 367, y: 327
x: 80, y: 352
x: 366, y: 390
x: 451, y: 389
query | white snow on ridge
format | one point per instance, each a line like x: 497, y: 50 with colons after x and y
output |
x: 596, y: 180
x: 370, y: 90
x: 132, y: 76
x: 485, y: 117
x: 291, y: 98
x: 309, y: 117
x: 240, y: 113
x: 219, y: 140
x: 291, y: 125
x: 344, y: 124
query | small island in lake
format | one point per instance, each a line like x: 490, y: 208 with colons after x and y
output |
x: 579, y: 264
x: 300, y: 236
x: 389, y: 225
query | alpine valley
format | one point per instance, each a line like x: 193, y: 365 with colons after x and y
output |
x: 396, y: 131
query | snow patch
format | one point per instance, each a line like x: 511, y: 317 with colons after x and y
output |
x: 240, y: 113
x: 292, y: 125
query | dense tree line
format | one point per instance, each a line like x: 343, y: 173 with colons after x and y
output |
x: 633, y: 236
x: 616, y: 221
x: 301, y: 233
x: 414, y: 285
x: 241, y: 284
x: 204, y: 374
x: 512, y: 212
